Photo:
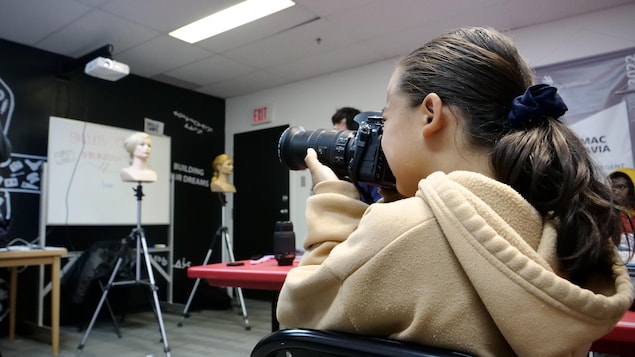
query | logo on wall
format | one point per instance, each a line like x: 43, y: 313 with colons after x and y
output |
x: 184, y: 173
x: 192, y: 124
x: 18, y: 172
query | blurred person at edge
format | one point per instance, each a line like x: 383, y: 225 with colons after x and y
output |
x: 621, y: 181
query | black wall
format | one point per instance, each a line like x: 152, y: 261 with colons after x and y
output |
x: 43, y: 86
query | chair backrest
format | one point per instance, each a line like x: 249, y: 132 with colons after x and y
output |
x: 315, y: 343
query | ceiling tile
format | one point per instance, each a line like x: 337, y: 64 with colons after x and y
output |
x: 395, y: 16
x: 166, y: 15
x: 211, y: 70
x: 93, y: 2
x: 97, y: 28
x: 43, y: 19
x: 328, y: 7
x: 161, y: 54
x: 324, y: 63
x: 307, y: 40
x: 255, y: 81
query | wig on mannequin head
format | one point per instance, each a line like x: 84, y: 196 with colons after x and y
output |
x: 133, y: 140
x: 219, y: 160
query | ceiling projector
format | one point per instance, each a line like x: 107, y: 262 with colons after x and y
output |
x: 106, y: 68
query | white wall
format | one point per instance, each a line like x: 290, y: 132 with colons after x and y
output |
x: 311, y: 103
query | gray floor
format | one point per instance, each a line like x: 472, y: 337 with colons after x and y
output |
x: 204, y: 333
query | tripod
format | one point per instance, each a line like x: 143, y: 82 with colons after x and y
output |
x: 141, y: 247
x: 225, y: 233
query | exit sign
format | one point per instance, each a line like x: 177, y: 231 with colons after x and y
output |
x: 261, y: 115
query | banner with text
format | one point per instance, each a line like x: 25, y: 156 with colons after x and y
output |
x: 600, y: 94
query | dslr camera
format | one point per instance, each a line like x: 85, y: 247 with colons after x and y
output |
x: 353, y: 155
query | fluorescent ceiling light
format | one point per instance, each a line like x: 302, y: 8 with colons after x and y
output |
x: 225, y: 20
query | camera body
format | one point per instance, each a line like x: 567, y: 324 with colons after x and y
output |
x: 353, y: 155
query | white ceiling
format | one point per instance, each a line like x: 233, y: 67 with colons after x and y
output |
x: 313, y: 38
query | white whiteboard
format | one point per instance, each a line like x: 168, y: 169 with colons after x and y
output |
x: 84, y: 186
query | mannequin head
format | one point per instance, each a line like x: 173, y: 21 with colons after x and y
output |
x: 138, y: 145
x: 222, y: 165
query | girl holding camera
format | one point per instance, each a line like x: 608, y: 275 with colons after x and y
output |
x: 504, y: 241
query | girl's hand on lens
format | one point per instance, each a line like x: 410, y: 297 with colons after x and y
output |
x: 319, y: 172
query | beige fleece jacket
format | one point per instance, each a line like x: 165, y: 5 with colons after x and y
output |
x: 466, y: 264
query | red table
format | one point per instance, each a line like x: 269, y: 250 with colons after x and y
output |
x: 263, y: 276
x: 621, y: 340
x: 270, y: 276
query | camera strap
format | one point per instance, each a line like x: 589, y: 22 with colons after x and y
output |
x: 360, y: 143
x: 366, y: 196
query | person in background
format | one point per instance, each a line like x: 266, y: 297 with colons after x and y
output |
x: 622, y: 185
x: 621, y: 181
x: 343, y: 120
x: 504, y: 244
x: 139, y: 146
x: 223, y: 168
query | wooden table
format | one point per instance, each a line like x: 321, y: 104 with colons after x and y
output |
x: 48, y: 255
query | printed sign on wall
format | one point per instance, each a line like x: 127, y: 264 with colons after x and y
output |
x: 261, y: 115
x: 600, y: 95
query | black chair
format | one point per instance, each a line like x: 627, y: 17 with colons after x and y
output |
x: 314, y: 343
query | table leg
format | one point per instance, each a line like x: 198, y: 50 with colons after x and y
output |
x: 12, y: 301
x: 275, y: 324
x: 55, y: 305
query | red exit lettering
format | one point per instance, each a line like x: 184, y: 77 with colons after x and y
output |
x: 260, y: 115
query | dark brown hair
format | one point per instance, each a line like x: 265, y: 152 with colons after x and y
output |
x: 478, y: 72
x: 347, y: 113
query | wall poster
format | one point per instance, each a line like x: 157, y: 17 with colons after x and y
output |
x: 600, y: 94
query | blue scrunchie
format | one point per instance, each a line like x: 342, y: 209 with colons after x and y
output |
x: 538, y: 103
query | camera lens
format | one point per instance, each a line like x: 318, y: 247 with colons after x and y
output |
x: 284, y: 226
x: 334, y: 148
x: 284, y: 243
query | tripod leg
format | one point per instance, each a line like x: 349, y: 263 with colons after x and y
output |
x: 104, y: 295
x: 153, y: 287
x: 243, y: 308
x: 112, y: 314
x: 230, y: 251
x: 189, y: 300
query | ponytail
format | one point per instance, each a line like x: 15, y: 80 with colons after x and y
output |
x: 550, y: 167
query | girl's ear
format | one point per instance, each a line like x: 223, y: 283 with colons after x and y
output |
x: 431, y: 107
